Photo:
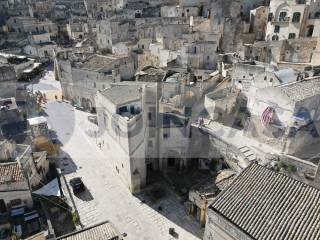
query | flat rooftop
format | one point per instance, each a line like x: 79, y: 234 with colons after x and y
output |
x: 122, y: 94
x: 98, y: 62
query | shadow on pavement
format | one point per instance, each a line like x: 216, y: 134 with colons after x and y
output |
x: 66, y: 164
x: 162, y: 199
x: 85, y: 196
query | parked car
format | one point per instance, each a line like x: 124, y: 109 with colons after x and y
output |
x: 77, y: 185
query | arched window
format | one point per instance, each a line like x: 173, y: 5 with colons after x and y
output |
x: 282, y: 16
x: 292, y: 36
x: 275, y: 38
x: 296, y: 17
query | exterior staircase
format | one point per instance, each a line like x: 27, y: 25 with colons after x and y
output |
x: 248, y: 153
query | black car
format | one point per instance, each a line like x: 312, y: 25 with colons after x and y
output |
x: 77, y: 185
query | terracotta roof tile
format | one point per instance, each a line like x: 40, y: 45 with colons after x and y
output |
x: 11, y: 172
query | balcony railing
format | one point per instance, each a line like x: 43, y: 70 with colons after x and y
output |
x: 281, y: 20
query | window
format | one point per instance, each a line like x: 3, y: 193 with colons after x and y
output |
x: 94, y: 85
x: 271, y: 80
x: 282, y: 16
x: 149, y: 116
x: 165, y: 136
x: 270, y: 17
x: 292, y: 36
x: 276, y: 28
x: 296, y: 17
x: 275, y: 38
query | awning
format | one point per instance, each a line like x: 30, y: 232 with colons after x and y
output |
x: 51, y: 189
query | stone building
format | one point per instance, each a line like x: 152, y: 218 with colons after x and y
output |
x: 18, y: 62
x: 293, y: 19
x: 231, y: 21
x: 122, y: 132
x: 202, y: 195
x: 14, y: 187
x: 99, y: 8
x: 295, y: 53
x: 199, y: 55
x: 8, y: 82
x: 82, y: 75
x: 111, y: 32
x: 34, y: 165
x: 240, y: 211
x: 159, y: 132
x: 40, y: 46
x: 31, y: 25
x: 295, y: 116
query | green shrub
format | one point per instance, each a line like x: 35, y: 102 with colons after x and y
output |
x: 292, y: 168
x: 75, y: 218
